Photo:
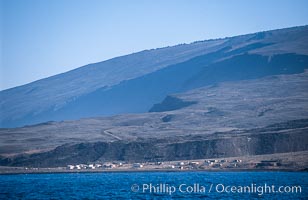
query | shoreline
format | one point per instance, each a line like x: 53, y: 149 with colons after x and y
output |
x: 49, y: 171
x: 282, y: 162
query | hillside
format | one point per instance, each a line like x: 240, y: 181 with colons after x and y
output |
x: 249, y: 117
x: 134, y: 83
x: 232, y: 97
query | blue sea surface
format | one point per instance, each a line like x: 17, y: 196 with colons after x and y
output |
x: 156, y: 185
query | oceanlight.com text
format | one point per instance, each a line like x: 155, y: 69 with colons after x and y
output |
x: 259, y: 189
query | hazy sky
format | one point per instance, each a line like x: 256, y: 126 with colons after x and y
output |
x: 40, y: 38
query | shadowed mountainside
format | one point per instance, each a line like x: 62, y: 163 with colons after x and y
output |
x: 134, y: 83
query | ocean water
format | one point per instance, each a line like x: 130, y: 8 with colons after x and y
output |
x: 156, y: 185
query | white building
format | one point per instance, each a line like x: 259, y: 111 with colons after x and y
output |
x: 91, y: 166
x: 70, y: 167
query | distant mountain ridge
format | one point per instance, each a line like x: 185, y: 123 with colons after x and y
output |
x: 134, y: 83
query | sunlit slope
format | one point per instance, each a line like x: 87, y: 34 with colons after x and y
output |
x: 134, y: 83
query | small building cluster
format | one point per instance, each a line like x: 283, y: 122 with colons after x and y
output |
x: 208, y: 164
x: 93, y: 166
x: 178, y: 165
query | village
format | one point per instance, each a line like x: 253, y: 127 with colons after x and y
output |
x: 177, y: 165
x: 251, y: 163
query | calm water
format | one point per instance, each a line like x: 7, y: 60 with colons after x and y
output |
x: 155, y: 185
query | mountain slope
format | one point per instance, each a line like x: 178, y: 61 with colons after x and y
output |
x: 247, y: 117
x: 135, y: 82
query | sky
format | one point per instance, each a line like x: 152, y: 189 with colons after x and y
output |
x: 41, y: 38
